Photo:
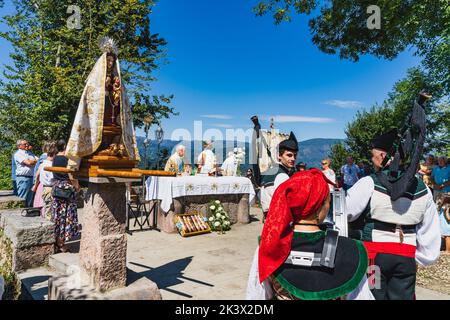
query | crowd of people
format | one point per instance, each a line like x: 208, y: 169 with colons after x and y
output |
x: 55, y: 194
x: 396, y: 222
x: 296, y: 202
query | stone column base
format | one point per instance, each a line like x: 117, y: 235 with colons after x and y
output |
x: 65, y: 288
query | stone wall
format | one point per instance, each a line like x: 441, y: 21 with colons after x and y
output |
x: 11, y: 281
x: 9, y: 201
x: 32, y: 239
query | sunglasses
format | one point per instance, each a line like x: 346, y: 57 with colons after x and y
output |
x: 324, y: 163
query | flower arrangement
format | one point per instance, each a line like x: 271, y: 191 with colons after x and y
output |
x: 218, y: 218
x: 239, y: 155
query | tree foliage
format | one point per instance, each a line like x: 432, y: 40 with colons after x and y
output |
x: 341, y: 27
x: 394, y: 112
x: 51, y: 61
x: 338, y: 154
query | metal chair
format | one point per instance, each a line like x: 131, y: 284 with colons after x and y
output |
x: 136, y: 208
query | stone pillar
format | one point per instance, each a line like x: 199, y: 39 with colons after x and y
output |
x: 244, y: 209
x: 103, y: 248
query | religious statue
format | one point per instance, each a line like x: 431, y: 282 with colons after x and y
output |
x: 103, y: 124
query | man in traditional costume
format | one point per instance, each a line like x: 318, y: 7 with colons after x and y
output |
x: 287, y: 155
x: 296, y: 260
x: 103, y: 122
x: 396, y: 210
x: 176, y: 161
x: 207, y: 159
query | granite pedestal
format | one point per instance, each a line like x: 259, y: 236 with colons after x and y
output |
x: 102, y: 272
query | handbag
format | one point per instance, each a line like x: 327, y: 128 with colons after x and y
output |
x: 62, y: 193
x: 31, y: 212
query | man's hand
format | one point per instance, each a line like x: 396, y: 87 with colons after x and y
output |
x: 34, y: 188
x: 438, y: 187
x: 29, y: 162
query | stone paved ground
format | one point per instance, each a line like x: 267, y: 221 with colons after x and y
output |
x: 437, y: 276
x: 209, y: 266
x: 216, y: 266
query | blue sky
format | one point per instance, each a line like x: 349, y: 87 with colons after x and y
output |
x: 225, y: 65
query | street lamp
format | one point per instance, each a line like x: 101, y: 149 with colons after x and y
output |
x: 159, y: 135
x: 148, y: 122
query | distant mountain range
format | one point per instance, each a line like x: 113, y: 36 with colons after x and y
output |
x: 311, y: 151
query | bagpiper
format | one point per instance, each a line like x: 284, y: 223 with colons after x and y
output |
x: 399, y: 220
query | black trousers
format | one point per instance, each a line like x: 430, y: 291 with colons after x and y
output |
x: 398, y: 277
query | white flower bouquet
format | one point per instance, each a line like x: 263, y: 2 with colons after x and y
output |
x: 218, y: 218
x: 239, y: 156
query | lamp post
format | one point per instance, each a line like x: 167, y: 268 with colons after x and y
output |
x: 148, y: 122
x: 159, y: 135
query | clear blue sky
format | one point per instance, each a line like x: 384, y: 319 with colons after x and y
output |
x: 224, y: 65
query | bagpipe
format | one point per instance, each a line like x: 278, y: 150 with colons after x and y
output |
x: 399, y: 167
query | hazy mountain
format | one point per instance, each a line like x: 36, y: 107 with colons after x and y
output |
x: 311, y: 151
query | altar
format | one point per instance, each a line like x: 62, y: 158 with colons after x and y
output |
x: 188, y: 194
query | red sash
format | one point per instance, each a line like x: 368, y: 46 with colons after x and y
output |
x: 399, y: 249
x: 374, y: 248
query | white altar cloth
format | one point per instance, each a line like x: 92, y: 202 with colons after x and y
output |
x: 168, y: 188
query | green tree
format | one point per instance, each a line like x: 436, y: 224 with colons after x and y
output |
x: 341, y: 27
x: 393, y: 113
x: 51, y: 60
x: 338, y: 154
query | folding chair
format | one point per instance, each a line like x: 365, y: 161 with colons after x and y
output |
x: 136, y: 208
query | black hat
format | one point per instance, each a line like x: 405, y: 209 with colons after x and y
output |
x: 290, y: 144
x: 385, y: 141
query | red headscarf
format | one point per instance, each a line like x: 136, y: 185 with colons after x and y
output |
x: 303, y: 194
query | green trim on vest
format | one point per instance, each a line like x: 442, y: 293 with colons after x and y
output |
x: 334, y: 293
x: 420, y: 190
x: 309, y: 236
x: 269, y: 180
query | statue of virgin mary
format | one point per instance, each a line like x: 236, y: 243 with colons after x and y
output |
x: 103, y: 105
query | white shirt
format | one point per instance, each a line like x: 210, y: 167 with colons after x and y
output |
x: 45, y: 177
x: 209, y: 160
x: 229, y: 166
x: 22, y: 169
x: 427, y: 232
x: 267, y: 192
x: 329, y: 173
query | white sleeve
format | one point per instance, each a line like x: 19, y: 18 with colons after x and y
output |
x: 199, y: 157
x: 279, y: 179
x: 358, y: 196
x: 256, y: 290
x: 333, y: 176
x: 20, y: 157
x: 428, y: 235
x: 362, y: 292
